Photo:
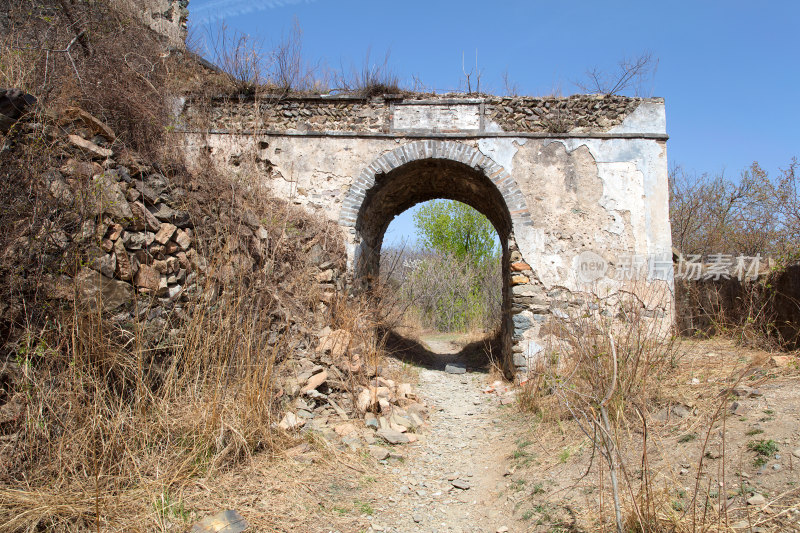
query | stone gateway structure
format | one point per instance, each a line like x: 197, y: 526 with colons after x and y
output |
x: 576, y: 187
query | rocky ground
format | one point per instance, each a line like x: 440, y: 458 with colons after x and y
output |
x: 479, y: 464
x: 454, y: 479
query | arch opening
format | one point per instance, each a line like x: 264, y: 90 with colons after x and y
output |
x: 421, y: 181
x: 398, y: 189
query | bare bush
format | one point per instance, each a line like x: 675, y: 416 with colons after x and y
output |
x: 630, y: 73
x: 472, y: 79
x: 751, y: 215
x: 603, y: 368
x: 510, y: 87
x: 370, y: 79
x: 239, y: 56
x: 48, y: 53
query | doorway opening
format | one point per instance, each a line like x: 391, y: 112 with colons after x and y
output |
x: 441, y: 265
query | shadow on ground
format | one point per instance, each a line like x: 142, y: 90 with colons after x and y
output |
x: 475, y: 355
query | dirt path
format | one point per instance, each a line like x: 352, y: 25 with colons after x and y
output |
x: 452, y: 481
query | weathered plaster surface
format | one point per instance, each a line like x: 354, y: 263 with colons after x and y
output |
x: 569, y: 207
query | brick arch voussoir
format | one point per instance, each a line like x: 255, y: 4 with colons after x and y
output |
x: 433, y: 149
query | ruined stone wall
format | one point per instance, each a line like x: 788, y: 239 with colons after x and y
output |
x: 593, y: 197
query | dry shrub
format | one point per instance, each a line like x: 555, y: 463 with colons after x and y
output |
x: 90, y: 55
x: 104, y: 423
x: 578, y: 354
x: 111, y: 420
x: 603, y: 368
x: 368, y: 80
x: 757, y: 313
x: 119, y: 416
x: 754, y: 214
x: 116, y: 418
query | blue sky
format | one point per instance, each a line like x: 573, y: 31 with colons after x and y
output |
x: 729, y: 71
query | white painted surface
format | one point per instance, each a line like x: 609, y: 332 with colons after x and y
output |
x: 438, y: 118
x: 649, y: 117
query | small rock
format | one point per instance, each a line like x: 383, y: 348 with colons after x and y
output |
x: 90, y: 147
x: 165, y: 232
x: 335, y: 343
x: 780, y: 361
x: 115, y: 231
x: 417, y: 518
x: 291, y: 421
x: 228, y: 521
x: 501, y: 529
x: 519, y: 279
x: 112, y: 293
x: 298, y: 450
x: 143, y: 217
x: 174, y: 291
x: 125, y: 269
x: 325, y: 276
x: 400, y: 421
x: 455, y: 368
x: 520, y: 266
x: 315, y: 381
x: 756, y: 499
x: 738, y: 409
x: 404, y: 390
x: 344, y: 429
x: 392, y: 437
x: 97, y: 126
x: 80, y: 169
x: 460, y: 484
x: 378, y: 452
x: 163, y: 286
x: 147, y: 277
x: 109, y: 198
x: 107, y: 265
x: 681, y: 411
x: 371, y: 421
x: 183, y: 239
x: 776, y: 467
x: 796, y: 452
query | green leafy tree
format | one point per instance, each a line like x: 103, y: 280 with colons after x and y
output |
x: 452, y: 228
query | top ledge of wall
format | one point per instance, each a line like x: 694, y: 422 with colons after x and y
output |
x: 433, y: 99
x: 577, y: 115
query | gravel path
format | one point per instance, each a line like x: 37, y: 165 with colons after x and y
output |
x: 452, y: 480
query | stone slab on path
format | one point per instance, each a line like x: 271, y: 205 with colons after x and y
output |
x: 455, y: 368
x: 393, y: 437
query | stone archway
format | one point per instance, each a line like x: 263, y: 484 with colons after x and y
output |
x: 427, y: 170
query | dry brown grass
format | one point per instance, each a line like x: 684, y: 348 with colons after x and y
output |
x: 672, y: 467
x: 119, y: 421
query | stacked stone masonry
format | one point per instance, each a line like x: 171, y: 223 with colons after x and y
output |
x: 581, y: 113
